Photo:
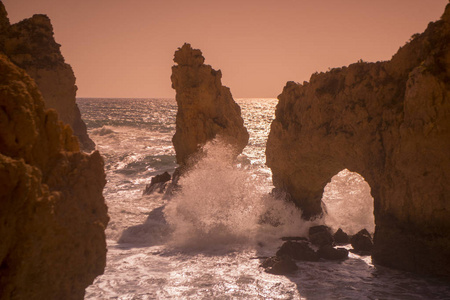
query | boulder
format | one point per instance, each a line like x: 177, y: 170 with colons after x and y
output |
x: 388, y: 121
x: 340, y: 237
x: 279, y: 265
x: 52, y: 211
x: 206, y: 109
x: 330, y: 253
x: 362, y: 242
x: 30, y: 44
x: 320, y: 235
x: 298, y: 251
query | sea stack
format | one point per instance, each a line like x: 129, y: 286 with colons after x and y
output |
x: 390, y: 122
x: 30, y: 44
x: 206, y: 109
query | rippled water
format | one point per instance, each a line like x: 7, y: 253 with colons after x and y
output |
x: 207, y: 242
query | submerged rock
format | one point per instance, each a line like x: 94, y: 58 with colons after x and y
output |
x: 206, y: 109
x: 279, y: 265
x: 388, y: 121
x: 298, y: 251
x: 30, y: 45
x: 52, y: 211
x: 330, y: 253
x: 158, y: 184
x: 320, y: 235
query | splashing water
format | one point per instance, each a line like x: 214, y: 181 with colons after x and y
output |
x: 222, y: 203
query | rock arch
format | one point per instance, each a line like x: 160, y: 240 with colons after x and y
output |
x: 388, y: 121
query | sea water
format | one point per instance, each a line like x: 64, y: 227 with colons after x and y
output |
x: 208, y: 240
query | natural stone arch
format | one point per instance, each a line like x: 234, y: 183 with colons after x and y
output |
x: 389, y: 122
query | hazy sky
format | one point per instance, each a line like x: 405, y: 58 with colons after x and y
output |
x: 121, y: 48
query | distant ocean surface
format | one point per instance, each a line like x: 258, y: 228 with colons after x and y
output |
x: 207, y: 241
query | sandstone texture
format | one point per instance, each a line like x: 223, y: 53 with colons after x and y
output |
x: 388, y: 121
x: 52, y: 212
x: 30, y: 45
x: 206, y: 109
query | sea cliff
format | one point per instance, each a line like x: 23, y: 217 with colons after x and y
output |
x: 388, y: 121
x: 30, y: 44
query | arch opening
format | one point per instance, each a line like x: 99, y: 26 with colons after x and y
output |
x: 348, y: 203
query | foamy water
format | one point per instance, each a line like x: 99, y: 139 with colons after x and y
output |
x: 207, y: 241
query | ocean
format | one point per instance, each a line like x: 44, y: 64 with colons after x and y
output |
x: 208, y: 241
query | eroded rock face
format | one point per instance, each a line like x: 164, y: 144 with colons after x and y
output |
x: 206, y: 109
x: 52, y: 212
x: 30, y: 45
x: 390, y: 122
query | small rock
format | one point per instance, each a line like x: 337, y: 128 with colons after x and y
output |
x: 279, y: 265
x: 340, y: 237
x: 293, y: 238
x: 298, y: 250
x: 320, y: 235
x: 362, y: 241
x: 158, y: 183
x: 331, y: 253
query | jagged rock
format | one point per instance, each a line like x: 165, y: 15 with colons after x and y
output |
x: 206, y: 109
x: 298, y: 251
x: 362, y: 242
x: 52, y: 211
x: 340, y: 237
x: 331, y: 253
x: 320, y: 235
x: 30, y: 45
x: 388, y: 121
x: 157, y: 184
x: 279, y: 265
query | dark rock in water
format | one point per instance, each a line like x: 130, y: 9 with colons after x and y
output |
x: 340, y: 237
x: 158, y: 184
x: 279, y: 265
x: 293, y: 238
x: 331, y: 253
x: 320, y: 235
x: 298, y: 251
x: 362, y: 241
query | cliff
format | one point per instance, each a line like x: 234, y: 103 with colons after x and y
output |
x: 52, y: 212
x: 206, y: 109
x: 30, y: 45
x: 390, y: 122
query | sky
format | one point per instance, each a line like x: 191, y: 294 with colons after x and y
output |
x: 125, y: 49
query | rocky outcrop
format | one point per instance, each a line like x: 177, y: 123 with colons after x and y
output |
x: 388, y: 121
x: 52, y: 212
x: 30, y: 45
x: 206, y: 109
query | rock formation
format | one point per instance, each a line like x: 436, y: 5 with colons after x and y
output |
x: 388, y: 121
x: 30, y: 45
x: 206, y: 109
x: 52, y: 212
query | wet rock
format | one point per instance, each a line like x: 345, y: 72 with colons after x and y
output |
x: 206, y: 109
x: 388, y: 121
x: 52, y: 212
x: 362, y: 241
x: 340, y: 237
x: 158, y: 184
x: 331, y: 253
x: 320, y: 235
x: 279, y: 265
x: 298, y: 251
x: 30, y: 44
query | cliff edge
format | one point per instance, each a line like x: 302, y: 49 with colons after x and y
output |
x: 52, y: 211
x: 206, y: 109
x: 30, y: 45
x: 388, y: 121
